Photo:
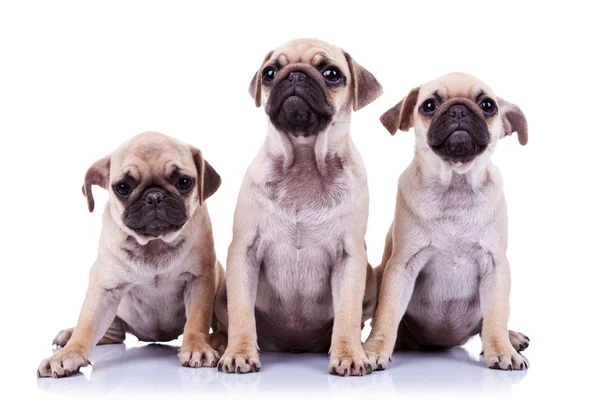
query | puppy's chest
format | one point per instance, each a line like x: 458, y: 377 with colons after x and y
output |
x: 155, y: 255
x: 302, y: 186
x: 454, y: 206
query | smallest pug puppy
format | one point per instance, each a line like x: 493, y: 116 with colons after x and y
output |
x: 156, y: 274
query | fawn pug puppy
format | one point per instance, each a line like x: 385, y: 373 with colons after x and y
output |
x: 444, y: 273
x: 297, y: 272
x: 156, y: 274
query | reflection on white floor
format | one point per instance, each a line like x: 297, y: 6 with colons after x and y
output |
x: 153, y: 369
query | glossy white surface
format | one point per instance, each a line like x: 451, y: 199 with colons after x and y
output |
x: 153, y: 369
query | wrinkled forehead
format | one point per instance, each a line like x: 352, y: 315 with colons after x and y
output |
x: 455, y: 85
x: 158, y: 158
x: 311, y: 51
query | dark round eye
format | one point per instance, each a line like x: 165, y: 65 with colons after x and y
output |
x: 332, y: 74
x: 123, y: 188
x: 268, y: 74
x: 488, y: 106
x: 184, y: 184
x: 428, y: 106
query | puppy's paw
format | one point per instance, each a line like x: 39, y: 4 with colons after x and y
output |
x: 519, y: 341
x: 63, y: 363
x: 377, y: 354
x: 348, y: 360
x: 62, y: 338
x: 503, y: 356
x: 218, y: 341
x: 240, y: 359
x: 195, y: 355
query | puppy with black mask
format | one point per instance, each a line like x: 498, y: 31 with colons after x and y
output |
x: 444, y: 273
x: 156, y: 273
x: 297, y: 272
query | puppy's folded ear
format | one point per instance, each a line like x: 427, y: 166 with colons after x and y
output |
x: 401, y: 115
x: 365, y: 88
x: 208, y: 179
x: 256, y: 85
x: 513, y: 120
x: 97, y: 174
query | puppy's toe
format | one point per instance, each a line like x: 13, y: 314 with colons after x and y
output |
x: 352, y: 362
x: 377, y: 355
x: 506, y: 359
x: 62, y: 338
x: 519, y: 341
x: 63, y: 363
x: 240, y: 360
x: 198, y: 356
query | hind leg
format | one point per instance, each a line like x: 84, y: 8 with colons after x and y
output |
x: 114, y: 334
x: 370, y: 298
x: 519, y: 341
x: 218, y: 339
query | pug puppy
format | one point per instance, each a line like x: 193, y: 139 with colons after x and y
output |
x: 156, y: 274
x: 444, y: 273
x: 297, y: 272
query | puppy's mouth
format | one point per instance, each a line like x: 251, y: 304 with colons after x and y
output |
x: 157, y: 228
x: 300, y: 108
x: 460, y: 146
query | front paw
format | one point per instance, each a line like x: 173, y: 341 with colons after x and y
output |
x: 63, y: 363
x: 503, y: 356
x: 240, y: 358
x: 377, y: 354
x: 349, y: 360
x: 195, y: 355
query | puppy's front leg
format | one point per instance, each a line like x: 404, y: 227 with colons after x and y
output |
x: 397, y: 286
x: 241, y: 355
x: 97, y: 313
x: 196, y: 350
x: 348, y: 287
x: 494, y: 291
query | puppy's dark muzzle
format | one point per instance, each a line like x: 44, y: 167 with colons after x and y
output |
x: 298, y: 103
x: 154, y: 213
x: 458, y: 133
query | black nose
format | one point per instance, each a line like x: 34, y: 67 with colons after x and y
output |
x: 296, y: 77
x: 458, y: 111
x: 154, y: 197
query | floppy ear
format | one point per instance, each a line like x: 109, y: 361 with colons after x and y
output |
x: 365, y: 87
x: 208, y: 179
x: 513, y: 120
x: 401, y: 115
x: 97, y: 174
x: 255, y: 83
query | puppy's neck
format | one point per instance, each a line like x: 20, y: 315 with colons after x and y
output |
x: 332, y: 141
x: 436, y: 170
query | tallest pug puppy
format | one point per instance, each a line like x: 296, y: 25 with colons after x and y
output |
x: 297, y: 266
x: 445, y: 274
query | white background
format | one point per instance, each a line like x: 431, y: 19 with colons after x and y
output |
x: 78, y: 78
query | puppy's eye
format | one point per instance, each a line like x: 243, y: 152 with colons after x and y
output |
x: 488, y: 106
x: 123, y: 189
x: 268, y: 74
x: 184, y: 184
x: 332, y: 75
x: 428, y: 106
